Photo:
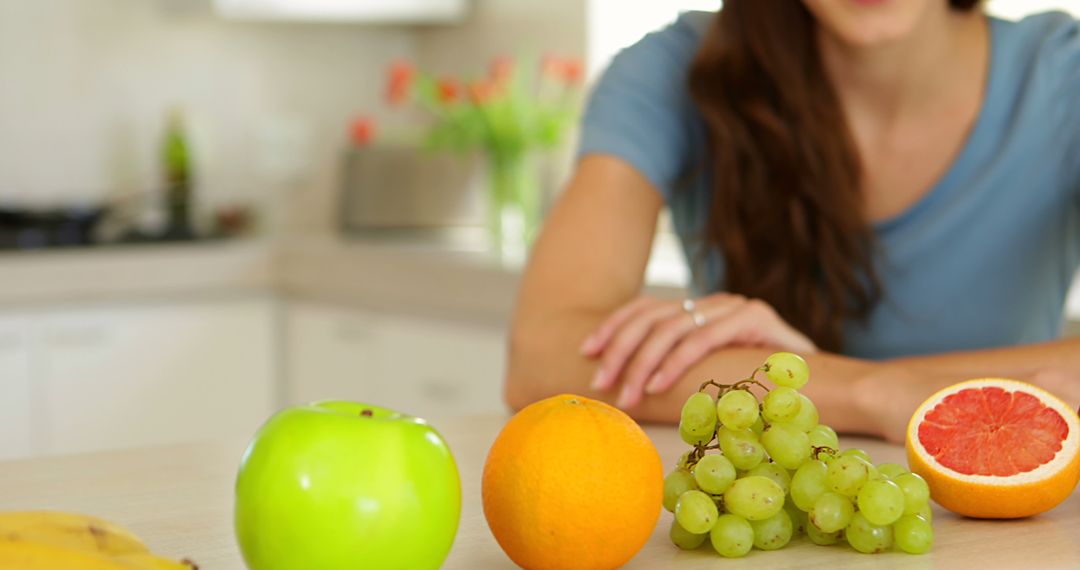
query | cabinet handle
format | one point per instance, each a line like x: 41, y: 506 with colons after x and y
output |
x: 353, y: 332
x: 12, y: 341
x: 444, y: 390
x: 78, y: 337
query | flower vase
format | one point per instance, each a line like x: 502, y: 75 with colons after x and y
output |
x: 513, y: 204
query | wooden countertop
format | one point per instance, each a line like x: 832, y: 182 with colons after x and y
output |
x: 179, y: 499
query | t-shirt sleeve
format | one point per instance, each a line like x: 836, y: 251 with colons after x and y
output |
x: 640, y: 110
x: 1062, y: 52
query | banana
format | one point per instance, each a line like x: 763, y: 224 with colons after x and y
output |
x: 70, y: 530
x: 145, y: 561
x: 19, y: 555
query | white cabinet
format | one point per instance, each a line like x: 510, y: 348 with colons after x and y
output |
x: 88, y: 378
x: 426, y: 367
x: 331, y: 355
x: 128, y: 376
x: 16, y: 390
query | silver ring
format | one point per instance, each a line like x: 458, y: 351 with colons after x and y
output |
x: 698, y: 318
x: 688, y: 306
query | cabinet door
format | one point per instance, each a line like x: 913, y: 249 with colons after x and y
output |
x: 125, y: 376
x: 425, y: 367
x: 331, y: 354
x: 16, y: 390
x: 436, y: 368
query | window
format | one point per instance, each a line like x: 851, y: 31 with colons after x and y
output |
x: 615, y: 24
x: 1016, y: 9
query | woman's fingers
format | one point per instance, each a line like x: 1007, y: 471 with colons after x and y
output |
x: 642, y: 372
x: 595, y: 342
x: 624, y: 342
x: 649, y: 355
x: 718, y: 333
x: 648, y: 344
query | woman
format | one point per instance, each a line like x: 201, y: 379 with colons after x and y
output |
x: 891, y: 188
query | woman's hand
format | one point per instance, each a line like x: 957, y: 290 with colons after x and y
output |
x: 648, y: 344
x: 892, y: 392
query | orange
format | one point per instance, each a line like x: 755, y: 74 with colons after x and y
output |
x: 995, y: 448
x: 572, y: 483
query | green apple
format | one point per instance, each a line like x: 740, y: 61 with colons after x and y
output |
x: 336, y: 485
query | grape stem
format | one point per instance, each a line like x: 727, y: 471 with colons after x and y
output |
x: 699, y: 450
x: 819, y: 449
x: 743, y: 384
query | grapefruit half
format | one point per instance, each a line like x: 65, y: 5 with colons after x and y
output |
x: 995, y: 448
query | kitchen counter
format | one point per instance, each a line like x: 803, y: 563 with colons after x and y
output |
x: 405, y: 277
x: 421, y: 278
x: 134, y: 271
x: 179, y: 499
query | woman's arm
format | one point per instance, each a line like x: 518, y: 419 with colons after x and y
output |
x: 589, y: 261
x: 1053, y: 366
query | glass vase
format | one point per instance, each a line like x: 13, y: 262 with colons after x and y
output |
x: 513, y: 204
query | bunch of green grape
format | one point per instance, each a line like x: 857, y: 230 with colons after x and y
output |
x: 762, y: 472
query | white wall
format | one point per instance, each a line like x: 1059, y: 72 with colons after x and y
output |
x: 504, y: 27
x: 85, y: 84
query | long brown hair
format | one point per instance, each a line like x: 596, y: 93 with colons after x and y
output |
x: 787, y: 209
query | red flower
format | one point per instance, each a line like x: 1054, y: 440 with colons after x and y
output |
x: 567, y: 70
x: 399, y: 82
x: 502, y: 68
x: 572, y: 70
x: 362, y: 131
x: 448, y: 90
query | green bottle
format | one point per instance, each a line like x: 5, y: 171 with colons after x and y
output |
x: 176, y: 165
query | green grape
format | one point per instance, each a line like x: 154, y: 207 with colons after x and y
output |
x: 916, y: 492
x: 754, y: 498
x: 807, y: 417
x: 741, y: 447
x: 881, y: 501
x: 786, y: 445
x: 732, y: 536
x: 924, y: 511
x: 781, y: 404
x: 774, y: 532
x: 698, y: 417
x: 685, y: 539
x: 798, y: 517
x: 808, y: 484
x: 824, y: 436
x: 847, y: 474
x: 714, y: 473
x: 676, y: 483
x: 693, y: 439
x: 774, y: 472
x: 832, y: 512
x: 867, y: 537
x: 891, y: 470
x: 787, y: 369
x: 737, y: 409
x: 759, y: 426
x: 820, y: 537
x: 857, y: 453
x: 696, y: 512
x: 913, y: 534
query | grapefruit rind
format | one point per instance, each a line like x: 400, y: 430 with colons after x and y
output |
x: 991, y: 496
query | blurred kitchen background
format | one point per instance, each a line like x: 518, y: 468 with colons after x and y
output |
x: 210, y: 209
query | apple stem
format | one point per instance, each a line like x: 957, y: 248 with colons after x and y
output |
x: 367, y: 413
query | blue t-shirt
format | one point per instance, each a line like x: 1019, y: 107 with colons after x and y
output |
x: 984, y: 259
